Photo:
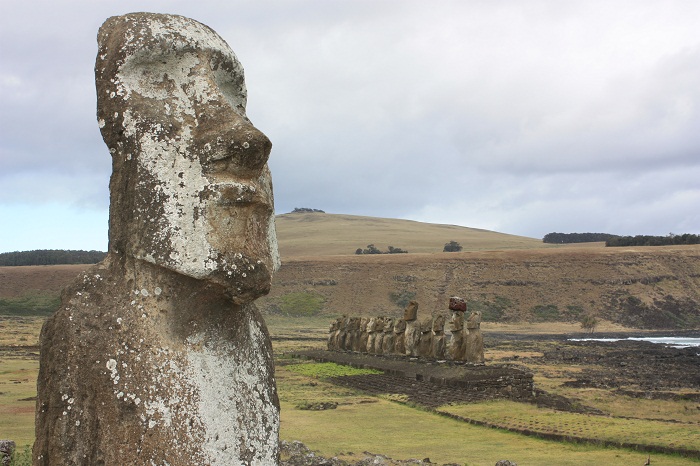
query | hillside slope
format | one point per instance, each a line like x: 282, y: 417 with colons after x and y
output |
x: 320, y: 234
x: 509, y: 278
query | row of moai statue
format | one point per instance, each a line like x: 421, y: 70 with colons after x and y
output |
x: 428, y: 339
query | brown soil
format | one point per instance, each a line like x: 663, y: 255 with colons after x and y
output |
x: 18, y: 281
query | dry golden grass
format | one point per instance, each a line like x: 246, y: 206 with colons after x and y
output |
x: 318, y: 234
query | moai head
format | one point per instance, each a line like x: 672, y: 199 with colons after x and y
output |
x: 371, y: 325
x: 333, y: 327
x: 364, y: 321
x: 342, y: 322
x: 474, y: 320
x: 457, y: 321
x: 439, y: 324
x: 355, y: 324
x: 400, y: 326
x: 190, y: 189
x: 379, y: 324
x: 388, y: 324
x: 411, y: 312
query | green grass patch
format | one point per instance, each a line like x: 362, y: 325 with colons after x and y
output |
x: 39, y: 304
x: 329, y: 369
x: 402, y: 432
x: 17, y: 403
x: 402, y: 298
x: 509, y: 414
x: 299, y: 304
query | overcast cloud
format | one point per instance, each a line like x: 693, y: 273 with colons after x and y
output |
x: 525, y: 117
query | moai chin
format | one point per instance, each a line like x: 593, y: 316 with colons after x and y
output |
x: 158, y: 354
x: 412, y: 334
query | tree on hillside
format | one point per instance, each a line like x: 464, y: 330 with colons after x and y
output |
x: 452, y: 246
x: 589, y: 323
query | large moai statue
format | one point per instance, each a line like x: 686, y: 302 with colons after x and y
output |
x: 399, y: 337
x: 456, y: 343
x: 425, y: 340
x: 438, y: 338
x: 389, y: 337
x: 158, y: 355
x: 474, y: 340
x: 412, y: 334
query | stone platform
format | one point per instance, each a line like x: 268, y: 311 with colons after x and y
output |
x: 479, y: 381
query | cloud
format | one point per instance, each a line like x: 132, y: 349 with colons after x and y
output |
x: 525, y: 117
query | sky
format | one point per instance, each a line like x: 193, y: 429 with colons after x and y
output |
x: 524, y: 117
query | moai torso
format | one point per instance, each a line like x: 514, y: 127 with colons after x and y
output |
x: 425, y: 342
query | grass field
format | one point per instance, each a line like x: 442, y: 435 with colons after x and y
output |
x: 376, y: 424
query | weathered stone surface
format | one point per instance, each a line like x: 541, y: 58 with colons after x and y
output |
x: 7, y: 451
x: 425, y: 341
x: 158, y: 355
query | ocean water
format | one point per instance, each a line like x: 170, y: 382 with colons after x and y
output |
x: 675, y: 342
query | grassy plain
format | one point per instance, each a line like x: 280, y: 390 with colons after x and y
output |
x: 363, y: 423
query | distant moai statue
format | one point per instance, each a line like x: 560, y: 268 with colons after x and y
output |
x: 438, y: 338
x: 379, y: 341
x: 343, y: 333
x: 412, y: 334
x: 474, y: 341
x: 389, y: 339
x: 364, y: 334
x: 425, y: 341
x: 332, y: 336
x: 456, y: 343
x: 356, y: 334
x: 371, y: 334
x: 400, y: 337
x: 158, y: 354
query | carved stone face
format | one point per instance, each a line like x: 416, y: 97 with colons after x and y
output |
x: 474, y: 320
x: 439, y: 324
x: 457, y: 321
x: 388, y: 324
x: 400, y: 326
x: 411, y: 311
x: 190, y: 189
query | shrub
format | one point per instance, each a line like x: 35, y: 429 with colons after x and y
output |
x: 452, y: 246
